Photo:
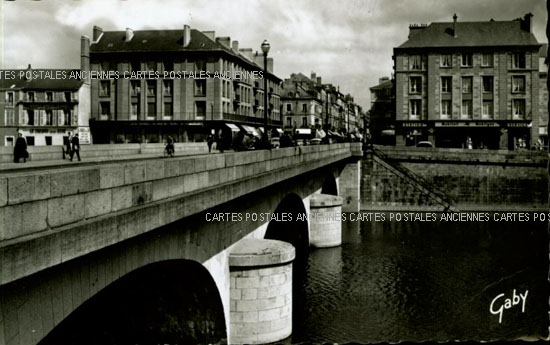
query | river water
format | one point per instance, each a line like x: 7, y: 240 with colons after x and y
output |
x: 393, y: 281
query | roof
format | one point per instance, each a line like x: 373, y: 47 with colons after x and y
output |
x: 43, y: 79
x: 161, y: 41
x: 471, y: 34
x: 388, y: 84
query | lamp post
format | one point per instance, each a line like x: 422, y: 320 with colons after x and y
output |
x: 265, y: 50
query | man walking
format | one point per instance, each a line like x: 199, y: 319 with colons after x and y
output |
x: 75, y: 147
x: 20, y: 149
x: 67, y: 143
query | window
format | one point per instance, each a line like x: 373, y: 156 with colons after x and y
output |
x: 10, y: 99
x: 467, y: 109
x: 9, y: 117
x: 304, y: 121
x: 31, y: 96
x: 466, y: 84
x: 487, y: 111
x: 30, y: 117
x: 151, y: 109
x: 49, y: 118
x: 518, y: 108
x: 135, y: 87
x: 289, y: 107
x: 486, y: 60
x: 201, y: 109
x: 68, y: 96
x: 446, y: 60
x: 106, y: 66
x: 8, y: 140
x: 105, y: 88
x: 415, y: 62
x: 48, y: 140
x: 168, y: 110
x: 30, y: 141
x: 105, y: 110
x: 518, y: 84
x: 66, y: 117
x: 200, y: 87
x: 167, y: 87
x: 466, y: 60
x: 135, y: 66
x: 49, y: 96
x: 151, y: 88
x: 518, y: 60
x: 168, y: 66
x: 445, y: 109
x: 415, y: 105
x: 446, y: 84
x: 151, y: 66
x: 415, y: 84
x: 487, y: 84
x: 289, y: 121
x: 134, y: 110
x: 200, y: 65
x: 304, y: 108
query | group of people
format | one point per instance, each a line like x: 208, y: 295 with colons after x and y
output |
x: 72, y: 147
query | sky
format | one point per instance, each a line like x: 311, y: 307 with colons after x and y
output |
x: 348, y: 43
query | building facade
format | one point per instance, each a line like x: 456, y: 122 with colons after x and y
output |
x: 149, y: 85
x: 468, y: 84
x: 308, y: 103
x: 382, y: 111
x: 44, y: 105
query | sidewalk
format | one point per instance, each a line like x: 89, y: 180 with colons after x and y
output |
x: 66, y: 163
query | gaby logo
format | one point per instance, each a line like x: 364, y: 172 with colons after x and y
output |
x: 499, y: 303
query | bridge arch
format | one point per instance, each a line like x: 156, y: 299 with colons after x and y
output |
x: 172, y: 301
x: 295, y: 232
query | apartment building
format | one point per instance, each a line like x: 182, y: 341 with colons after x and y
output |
x: 44, y: 105
x: 468, y: 84
x: 184, y: 83
x: 382, y: 111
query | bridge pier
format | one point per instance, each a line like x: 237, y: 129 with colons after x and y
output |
x: 350, y: 183
x: 325, y: 226
x: 261, y: 291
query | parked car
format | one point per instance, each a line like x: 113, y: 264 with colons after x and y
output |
x: 424, y: 144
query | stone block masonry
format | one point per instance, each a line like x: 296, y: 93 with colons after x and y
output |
x: 325, y: 223
x: 261, y: 291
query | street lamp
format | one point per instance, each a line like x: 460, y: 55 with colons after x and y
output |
x: 265, y: 50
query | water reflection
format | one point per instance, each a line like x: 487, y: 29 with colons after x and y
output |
x: 393, y: 281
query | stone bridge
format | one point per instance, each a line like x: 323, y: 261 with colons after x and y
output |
x: 134, y: 245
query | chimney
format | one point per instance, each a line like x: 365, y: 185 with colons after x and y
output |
x: 28, y: 73
x: 319, y: 83
x: 235, y: 46
x: 259, y: 59
x: 313, y: 76
x: 527, y: 22
x: 226, y: 41
x: 383, y: 79
x: 269, y: 65
x: 97, y: 33
x: 129, y: 35
x: 210, y: 34
x: 247, y: 53
x: 85, y: 58
x: 416, y: 28
x: 455, y: 34
x: 186, y: 36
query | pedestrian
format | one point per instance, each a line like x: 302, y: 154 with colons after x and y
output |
x: 75, y: 147
x: 210, y: 141
x: 20, y: 149
x: 67, y: 143
x: 220, y: 143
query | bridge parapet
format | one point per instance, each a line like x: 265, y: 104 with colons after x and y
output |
x: 69, y: 213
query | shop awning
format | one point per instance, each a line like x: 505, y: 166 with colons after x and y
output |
x: 303, y: 131
x: 251, y: 131
x: 233, y: 127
